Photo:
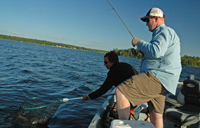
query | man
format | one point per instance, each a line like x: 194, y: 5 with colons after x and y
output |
x: 160, y: 70
x: 118, y: 73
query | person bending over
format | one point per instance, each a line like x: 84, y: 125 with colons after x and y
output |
x: 118, y: 72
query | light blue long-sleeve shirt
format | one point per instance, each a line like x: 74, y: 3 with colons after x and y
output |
x: 162, y: 57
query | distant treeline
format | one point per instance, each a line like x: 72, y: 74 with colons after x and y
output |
x: 185, y: 60
x: 190, y: 61
x: 44, y: 42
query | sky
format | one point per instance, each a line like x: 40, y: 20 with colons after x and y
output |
x: 94, y: 24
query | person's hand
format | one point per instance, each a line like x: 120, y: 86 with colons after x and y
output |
x: 135, y: 42
x: 85, y: 97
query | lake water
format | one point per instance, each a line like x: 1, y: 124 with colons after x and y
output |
x: 31, y: 70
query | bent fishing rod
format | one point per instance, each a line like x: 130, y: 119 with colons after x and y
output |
x: 121, y: 19
x: 132, y: 49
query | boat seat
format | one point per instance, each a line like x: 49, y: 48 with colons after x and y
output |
x: 185, y: 106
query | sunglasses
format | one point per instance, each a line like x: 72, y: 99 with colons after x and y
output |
x: 148, y: 19
x: 105, y: 62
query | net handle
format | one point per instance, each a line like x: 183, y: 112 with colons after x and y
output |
x: 67, y: 99
x: 79, y: 98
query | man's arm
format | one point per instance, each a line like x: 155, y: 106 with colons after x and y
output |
x: 158, y: 45
x: 108, y: 83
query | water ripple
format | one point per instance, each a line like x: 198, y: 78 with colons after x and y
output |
x: 30, y: 70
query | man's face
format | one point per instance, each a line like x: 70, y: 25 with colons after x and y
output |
x: 107, y: 63
x: 151, y: 23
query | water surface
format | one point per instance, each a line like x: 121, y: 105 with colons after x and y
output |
x: 31, y: 70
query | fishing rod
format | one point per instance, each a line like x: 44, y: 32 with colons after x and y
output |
x: 121, y: 19
x: 132, y: 49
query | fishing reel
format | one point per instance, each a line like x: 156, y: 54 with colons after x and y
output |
x: 135, y: 53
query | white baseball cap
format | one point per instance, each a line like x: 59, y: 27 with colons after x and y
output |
x: 153, y: 12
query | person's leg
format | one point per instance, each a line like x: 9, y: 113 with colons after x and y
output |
x: 156, y: 108
x: 148, y: 118
x: 123, y: 105
x: 139, y: 89
x: 131, y: 91
x: 156, y: 119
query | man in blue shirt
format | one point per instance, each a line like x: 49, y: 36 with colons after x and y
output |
x: 160, y: 70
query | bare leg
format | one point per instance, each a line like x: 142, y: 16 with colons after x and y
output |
x: 123, y: 105
x: 148, y: 116
x: 157, y: 119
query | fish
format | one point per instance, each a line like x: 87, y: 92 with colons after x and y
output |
x: 40, y: 120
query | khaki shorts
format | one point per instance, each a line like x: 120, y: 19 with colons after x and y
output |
x: 145, y: 87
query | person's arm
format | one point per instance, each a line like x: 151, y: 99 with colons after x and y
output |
x: 108, y: 83
x: 158, y: 45
x: 102, y: 90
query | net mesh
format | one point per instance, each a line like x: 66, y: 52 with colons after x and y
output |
x: 37, y: 110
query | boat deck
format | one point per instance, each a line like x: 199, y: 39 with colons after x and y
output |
x: 98, y: 119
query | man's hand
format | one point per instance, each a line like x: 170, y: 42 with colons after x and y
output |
x: 135, y: 42
x: 85, y: 97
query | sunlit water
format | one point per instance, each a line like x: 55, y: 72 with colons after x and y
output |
x: 31, y: 70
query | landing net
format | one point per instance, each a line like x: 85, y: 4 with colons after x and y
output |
x: 37, y: 110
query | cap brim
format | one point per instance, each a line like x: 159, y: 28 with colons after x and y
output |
x: 144, y: 19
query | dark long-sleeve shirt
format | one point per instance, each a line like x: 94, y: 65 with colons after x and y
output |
x: 118, y: 73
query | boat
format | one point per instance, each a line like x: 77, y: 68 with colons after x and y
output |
x: 97, y: 121
x: 100, y: 117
